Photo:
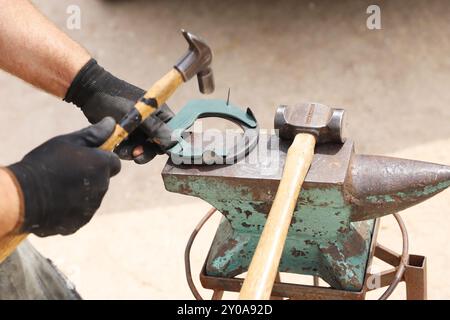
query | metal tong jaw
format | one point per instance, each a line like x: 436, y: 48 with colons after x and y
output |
x: 212, y: 148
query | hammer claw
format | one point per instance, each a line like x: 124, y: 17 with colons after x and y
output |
x: 197, y: 61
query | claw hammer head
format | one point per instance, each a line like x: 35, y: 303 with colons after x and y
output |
x: 197, y: 61
x: 325, y: 123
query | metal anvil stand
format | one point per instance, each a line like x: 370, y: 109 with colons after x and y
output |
x: 333, y: 234
x: 406, y: 267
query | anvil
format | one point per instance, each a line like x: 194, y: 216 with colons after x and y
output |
x: 331, y: 230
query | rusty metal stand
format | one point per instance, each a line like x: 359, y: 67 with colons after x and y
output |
x: 414, y: 278
x: 415, y: 275
x: 408, y: 268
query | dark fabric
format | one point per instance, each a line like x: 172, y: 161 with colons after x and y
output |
x: 64, y: 180
x: 27, y: 275
x: 99, y: 94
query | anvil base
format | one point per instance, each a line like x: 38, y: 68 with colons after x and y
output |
x: 341, y: 262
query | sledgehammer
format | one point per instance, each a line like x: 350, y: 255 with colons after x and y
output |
x: 307, y: 124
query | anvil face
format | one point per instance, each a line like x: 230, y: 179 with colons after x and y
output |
x: 325, y: 237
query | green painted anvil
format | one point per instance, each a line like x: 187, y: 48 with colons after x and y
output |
x: 331, y: 232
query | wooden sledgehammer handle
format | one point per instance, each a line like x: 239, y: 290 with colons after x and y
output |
x: 264, y: 266
x: 155, y: 97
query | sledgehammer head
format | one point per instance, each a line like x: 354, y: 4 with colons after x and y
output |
x: 197, y: 61
x: 325, y: 123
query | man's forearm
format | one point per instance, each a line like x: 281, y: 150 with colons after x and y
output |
x: 35, y: 50
x: 10, y: 203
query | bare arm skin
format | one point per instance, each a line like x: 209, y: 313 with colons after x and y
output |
x: 10, y: 210
x: 35, y: 50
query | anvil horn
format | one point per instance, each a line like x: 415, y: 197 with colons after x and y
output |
x: 384, y: 185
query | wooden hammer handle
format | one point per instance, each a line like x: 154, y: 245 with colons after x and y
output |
x: 155, y: 97
x: 264, y: 266
x: 9, y: 243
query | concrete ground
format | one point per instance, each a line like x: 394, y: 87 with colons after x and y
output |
x: 393, y: 82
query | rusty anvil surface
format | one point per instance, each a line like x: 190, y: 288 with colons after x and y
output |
x: 331, y: 231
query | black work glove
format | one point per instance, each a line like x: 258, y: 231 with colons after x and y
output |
x: 99, y: 94
x: 64, y: 180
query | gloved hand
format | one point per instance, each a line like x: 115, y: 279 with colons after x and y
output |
x: 64, y: 180
x: 99, y: 94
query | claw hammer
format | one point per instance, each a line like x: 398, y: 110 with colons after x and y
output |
x: 307, y: 124
x: 196, y: 61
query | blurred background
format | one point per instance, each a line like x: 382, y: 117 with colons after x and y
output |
x: 393, y: 82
